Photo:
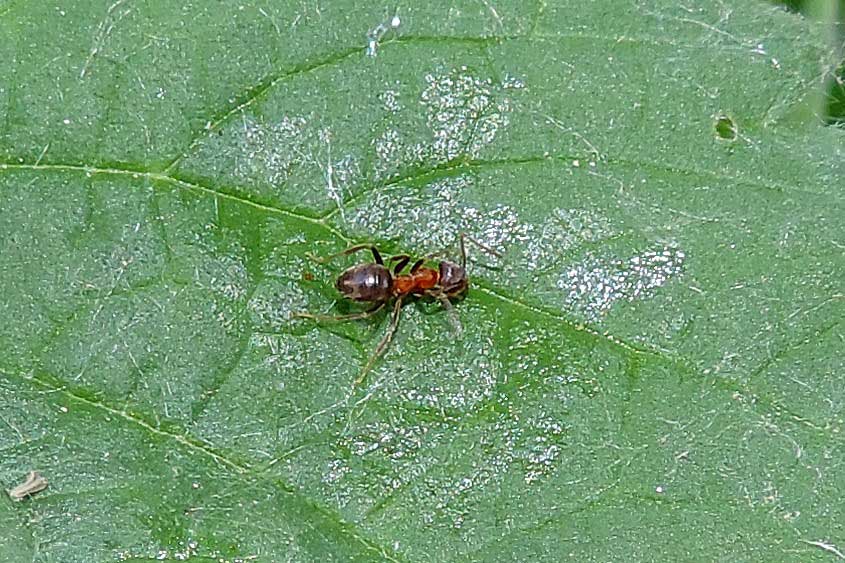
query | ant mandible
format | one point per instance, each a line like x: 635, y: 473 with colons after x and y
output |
x: 374, y: 282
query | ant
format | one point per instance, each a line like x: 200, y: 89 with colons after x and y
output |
x: 375, y: 283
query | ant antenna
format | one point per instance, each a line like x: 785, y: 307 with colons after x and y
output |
x: 480, y: 245
x: 351, y: 250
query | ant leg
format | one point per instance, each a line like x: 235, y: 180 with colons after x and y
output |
x: 453, y: 315
x: 354, y: 316
x: 388, y: 336
x: 401, y: 261
x: 463, y: 236
x: 417, y: 265
x: 348, y: 251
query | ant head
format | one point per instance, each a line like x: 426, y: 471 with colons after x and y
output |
x: 453, y: 278
x: 366, y: 282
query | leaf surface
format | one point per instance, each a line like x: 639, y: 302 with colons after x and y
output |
x: 651, y: 371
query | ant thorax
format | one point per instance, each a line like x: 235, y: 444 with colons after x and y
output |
x: 418, y: 282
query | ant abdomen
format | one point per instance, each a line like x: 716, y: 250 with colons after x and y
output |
x: 366, y: 282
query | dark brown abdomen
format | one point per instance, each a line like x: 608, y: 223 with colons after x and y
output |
x: 367, y: 282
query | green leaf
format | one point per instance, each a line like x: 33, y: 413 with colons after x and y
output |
x: 652, y: 370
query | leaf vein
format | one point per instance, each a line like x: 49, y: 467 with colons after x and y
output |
x: 202, y: 448
x: 255, y: 93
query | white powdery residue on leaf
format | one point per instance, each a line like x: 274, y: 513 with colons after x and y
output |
x: 512, y: 83
x: 405, y: 453
x: 394, y: 442
x: 473, y: 373
x: 587, y: 225
x: 416, y: 397
x: 542, y: 246
x: 388, y: 149
x: 540, y: 448
x: 394, y: 447
x: 390, y: 101
x: 221, y: 271
x: 335, y: 470
x: 532, y: 445
x: 394, y: 153
x: 186, y: 551
x: 270, y: 151
x: 345, y: 171
x: 538, y: 358
x: 275, y: 309
x: 286, y: 358
x: 432, y: 217
x: 595, y: 285
x: 427, y: 215
x: 464, y: 113
x: 653, y: 269
x: 497, y: 228
x: 563, y: 230
x: 229, y: 278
